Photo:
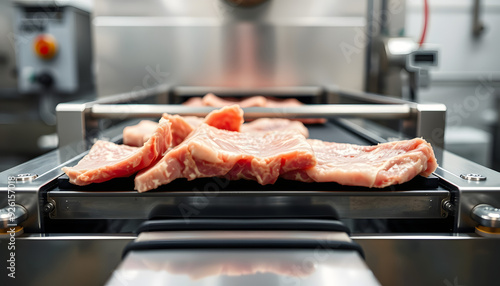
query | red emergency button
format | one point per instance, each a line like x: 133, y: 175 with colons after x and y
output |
x: 45, y: 46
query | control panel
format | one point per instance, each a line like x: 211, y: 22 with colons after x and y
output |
x: 53, y: 48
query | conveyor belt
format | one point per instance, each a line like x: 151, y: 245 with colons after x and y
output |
x: 333, y: 132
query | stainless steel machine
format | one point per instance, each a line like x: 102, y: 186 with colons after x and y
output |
x: 47, y: 59
x: 441, y: 230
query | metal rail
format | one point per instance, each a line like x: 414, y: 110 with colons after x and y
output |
x: 349, y: 204
x: 372, y: 111
x: 79, y: 121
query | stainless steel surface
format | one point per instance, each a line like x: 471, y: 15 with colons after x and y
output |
x: 432, y: 259
x: 349, y: 204
x: 79, y: 260
x: 430, y: 123
x: 11, y: 216
x: 75, y: 128
x: 378, y: 111
x: 205, y: 9
x: 243, y: 267
x: 28, y: 193
x: 468, y: 193
x: 395, y: 259
x: 243, y: 235
x: 216, y: 43
x: 486, y: 215
x: 473, y: 177
x: 288, y: 91
x: 26, y: 177
x: 71, y: 125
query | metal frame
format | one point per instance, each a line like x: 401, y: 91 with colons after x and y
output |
x: 412, y: 204
x: 77, y: 120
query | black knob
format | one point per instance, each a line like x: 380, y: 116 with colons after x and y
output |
x: 45, y: 79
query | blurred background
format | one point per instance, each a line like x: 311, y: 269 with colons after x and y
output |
x: 425, y: 51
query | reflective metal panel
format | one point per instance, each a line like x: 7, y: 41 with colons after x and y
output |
x: 390, y: 111
x: 443, y: 260
x: 349, y: 204
x: 62, y: 260
x: 216, y: 44
x: 243, y: 267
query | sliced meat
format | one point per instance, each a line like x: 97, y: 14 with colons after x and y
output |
x: 180, y: 128
x: 211, y: 99
x: 107, y: 160
x: 368, y: 166
x: 209, y: 152
x: 274, y: 124
x: 194, y: 121
x: 138, y: 134
x: 227, y: 118
x: 194, y: 101
x: 289, y: 102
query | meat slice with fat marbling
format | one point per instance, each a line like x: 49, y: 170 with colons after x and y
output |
x: 107, y: 160
x: 274, y: 124
x: 211, y: 99
x: 376, y: 166
x: 137, y: 135
x: 227, y: 118
x: 209, y: 152
x: 182, y: 126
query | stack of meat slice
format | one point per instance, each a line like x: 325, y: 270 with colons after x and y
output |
x: 182, y: 126
x: 220, y: 146
x: 211, y: 99
x: 210, y: 152
x: 107, y: 160
x: 227, y: 118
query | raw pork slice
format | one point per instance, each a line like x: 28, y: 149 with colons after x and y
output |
x: 194, y: 101
x: 180, y: 128
x: 274, y: 124
x: 211, y: 99
x: 368, y: 166
x: 194, y: 121
x: 228, y: 118
x: 138, y: 134
x: 209, y: 152
x: 107, y: 160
